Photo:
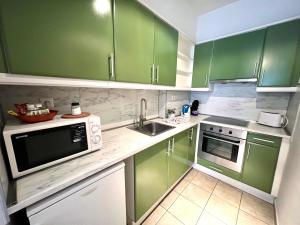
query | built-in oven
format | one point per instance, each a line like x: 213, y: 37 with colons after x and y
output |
x: 222, y: 145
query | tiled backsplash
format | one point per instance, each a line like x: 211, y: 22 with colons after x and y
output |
x: 240, y: 100
x: 112, y: 105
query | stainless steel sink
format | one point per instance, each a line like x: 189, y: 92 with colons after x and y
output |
x: 151, y: 128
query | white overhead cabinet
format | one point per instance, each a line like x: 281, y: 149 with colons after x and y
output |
x: 95, y: 201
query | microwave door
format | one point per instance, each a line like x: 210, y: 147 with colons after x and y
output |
x: 38, y: 148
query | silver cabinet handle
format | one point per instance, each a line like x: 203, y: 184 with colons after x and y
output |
x: 173, y: 144
x: 89, y: 192
x: 206, y: 79
x: 255, y: 70
x: 157, y: 74
x: 111, y: 61
x: 217, y: 169
x: 152, y: 73
x: 262, y: 76
x: 248, y: 151
x: 260, y: 139
x: 191, y: 134
x: 169, y: 147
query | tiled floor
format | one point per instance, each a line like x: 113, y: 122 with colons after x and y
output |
x: 203, y: 200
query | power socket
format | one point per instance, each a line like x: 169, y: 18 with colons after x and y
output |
x: 47, y: 102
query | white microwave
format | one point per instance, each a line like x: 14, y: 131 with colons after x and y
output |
x: 32, y: 147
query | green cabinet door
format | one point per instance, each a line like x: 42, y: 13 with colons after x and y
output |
x: 237, y: 57
x: 178, y: 158
x: 259, y: 166
x: 151, y: 177
x: 202, y: 63
x: 165, y: 53
x: 192, y: 144
x: 60, y: 38
x: 3, y: 68
x: 279, y: 56
x: 134, y: 42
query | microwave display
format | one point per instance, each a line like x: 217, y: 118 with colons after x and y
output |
x: 36, y: 148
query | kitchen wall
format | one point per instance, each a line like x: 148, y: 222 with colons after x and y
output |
x: 240, y: 100
x: 244, y: 15
x: 287, y: 203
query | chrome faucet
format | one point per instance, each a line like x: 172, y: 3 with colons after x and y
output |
x: 142, y: 113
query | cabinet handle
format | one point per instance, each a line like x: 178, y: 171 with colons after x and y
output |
x: 191, y: 134
x: 260, y: 139
x: 169, y: 146
x: 157, y: 74
x: 214, y: 168
x: 248, y: 151
x: 173, y: 144
x: 152, y: 73
x: 262, y: 76
x: 111, y: 61
x: 89, y: 192
x: 255, y: 70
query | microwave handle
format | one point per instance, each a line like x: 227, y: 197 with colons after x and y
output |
x: 217, y: 139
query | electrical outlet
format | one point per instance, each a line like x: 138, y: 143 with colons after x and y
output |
x: 47, y: 102
x: 173, y: 97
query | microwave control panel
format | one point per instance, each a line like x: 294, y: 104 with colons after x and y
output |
x: 95, y: 132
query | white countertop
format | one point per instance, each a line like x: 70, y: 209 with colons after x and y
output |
x: 118, y: 144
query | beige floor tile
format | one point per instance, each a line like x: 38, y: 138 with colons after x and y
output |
x: 154, y: 216
x: 169, y: 200
x: 258, y: 208
x: 205, y: 181
x: 228, y: 193
x: 191, y: 175
x: 247, y: 219
x: 208, y: 219
x: 186, y: 211
x: 181, y: 186
x: 169, y: 219
x: 196, y: 194
x: 221, y: 209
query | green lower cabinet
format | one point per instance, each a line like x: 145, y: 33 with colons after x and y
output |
x: 3, y: 68
x: 178, y: 158
x: 192, y: 144
x: 72, y: 39
x: 220, y: 169
x: 259, y: 166
x: 165, y: 53
x: 151, y: 177
x: 202, y: 64
x: 280, y: 56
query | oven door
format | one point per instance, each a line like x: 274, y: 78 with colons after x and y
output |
x: 221, y: 149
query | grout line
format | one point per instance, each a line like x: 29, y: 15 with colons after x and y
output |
x: 239, y: 208
x: 256, y: 218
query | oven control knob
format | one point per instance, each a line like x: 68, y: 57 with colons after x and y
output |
x: 96, y: 139
x: 95, y: 128
x: 211, y: 128
x: 220, y: 130
x: 230, y: 132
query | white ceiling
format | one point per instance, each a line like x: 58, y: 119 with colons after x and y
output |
x: 204, y: 6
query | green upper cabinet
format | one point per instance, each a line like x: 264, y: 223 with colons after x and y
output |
x: 165, y: 53
x: 151, y: 177
x: 62, y: 38
x: 134, y: 42
x: 202, y: 64
x: 237, y: 57
x: 260, y: 161
x: 3, y: 68
x: 279, y: 58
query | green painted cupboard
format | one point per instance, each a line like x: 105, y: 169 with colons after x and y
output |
x: 237, y: 57
x: 260, y: 161
x: 165, y: 53
x: 64, y: 38
x: 203, y: 56
x: 3, y: 68
x: 159, y: 167
x: 134, y: 42
x: 280, y: 57
x: 192, y: 135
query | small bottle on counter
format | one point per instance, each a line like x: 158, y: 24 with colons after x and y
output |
x: 76, y: 110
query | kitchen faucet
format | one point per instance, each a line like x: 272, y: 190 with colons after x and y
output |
x: 142, y: 113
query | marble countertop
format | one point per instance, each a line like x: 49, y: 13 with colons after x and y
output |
x: 118, y: 144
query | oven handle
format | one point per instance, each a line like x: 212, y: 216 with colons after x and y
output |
x: 217, y: 139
